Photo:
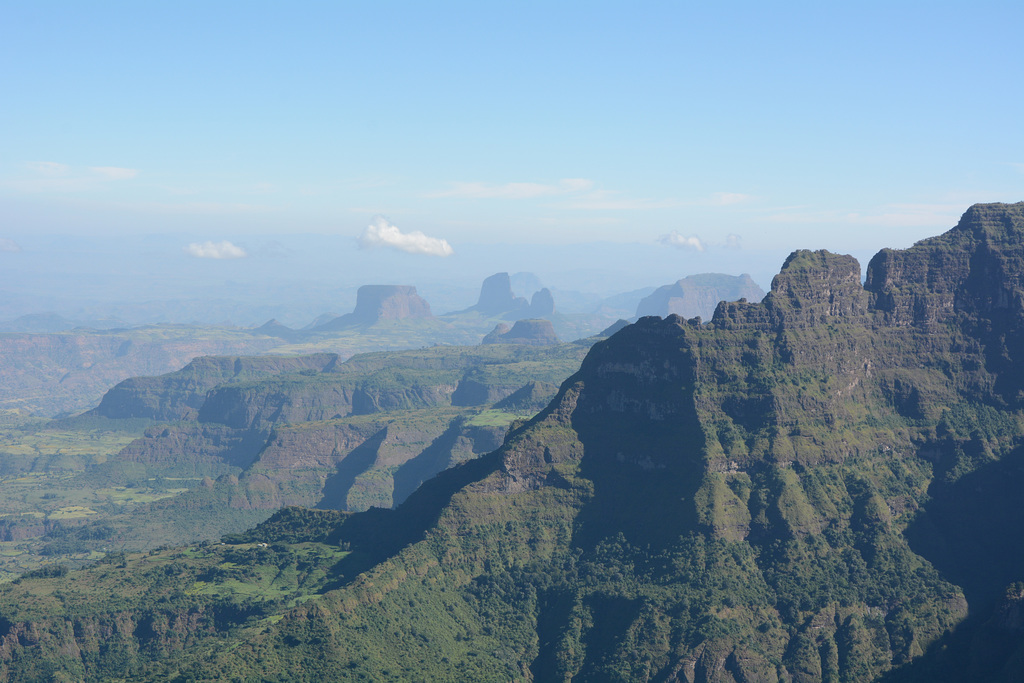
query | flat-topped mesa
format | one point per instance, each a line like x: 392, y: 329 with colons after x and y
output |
x: 813, y: 288
x: 976, y: 268
x: 389, y: 302
x: 381, y: 302
x: 179, y: 395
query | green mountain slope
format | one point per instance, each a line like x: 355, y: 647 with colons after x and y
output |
x: 815, y: 487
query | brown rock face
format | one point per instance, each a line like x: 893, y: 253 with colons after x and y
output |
x: 389, y: 302
x: 381, y: 302
x: 496, y: 296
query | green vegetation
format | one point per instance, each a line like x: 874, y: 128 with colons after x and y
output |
x: 74, y: 489
x: 819, y: 487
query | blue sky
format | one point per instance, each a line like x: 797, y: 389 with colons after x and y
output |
x: 694, y: 126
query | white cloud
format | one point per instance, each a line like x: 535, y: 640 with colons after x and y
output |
x: 114, y: 172
x: 381, y: 233
x: 9, y: 246
x: 681, y: 241
x: 733, y: 241
x: 48, y: 168
x: 215, y: 250
x: 514, y: 190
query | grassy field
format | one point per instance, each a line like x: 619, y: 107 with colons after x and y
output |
x: 39, y: 463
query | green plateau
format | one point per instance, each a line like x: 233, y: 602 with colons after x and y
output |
x: 221, y: 444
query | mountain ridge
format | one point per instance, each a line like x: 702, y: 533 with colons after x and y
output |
x: 774, y: 495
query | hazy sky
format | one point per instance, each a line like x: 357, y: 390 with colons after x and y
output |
x: 427, y: 126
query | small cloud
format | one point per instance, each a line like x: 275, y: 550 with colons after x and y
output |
x: 515, y: 190
x: 732, y: 241
x: 680, y: 241
x: 9, y: 246
x: 381, y: 233
x: 114, y: 172
x: 48, y: 168
x: 215, y: 250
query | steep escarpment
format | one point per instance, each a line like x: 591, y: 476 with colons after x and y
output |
x: 350, y: 435
x: 179, y: 395
x: 795, y: 491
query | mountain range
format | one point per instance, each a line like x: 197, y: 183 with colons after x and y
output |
x: 823, y: 485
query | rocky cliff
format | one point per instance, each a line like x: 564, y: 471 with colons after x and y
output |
x: 498, y: 300
x: 698, y: 295
x: 380, y: 302
x: 179, y: 395
x: 308, y: 430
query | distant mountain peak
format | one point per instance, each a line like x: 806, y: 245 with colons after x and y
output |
x: 533, y: 332
x: 698, y: 295
x: 381, y: 302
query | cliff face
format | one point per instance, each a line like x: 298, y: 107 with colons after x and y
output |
x: 698, y: 295
x: 179, y: 395
x: 380, y: 302
x: 498, y: 300
x: 311, y: 431
x: 496, y: 296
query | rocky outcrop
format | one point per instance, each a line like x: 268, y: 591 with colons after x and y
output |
x: 528, y: 331
x: 698, y: 295
x: 497, y: 298
x: 542, y: 304
x: 380, y: 302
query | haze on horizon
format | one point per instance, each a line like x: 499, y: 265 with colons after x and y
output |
x: 161, y: 150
